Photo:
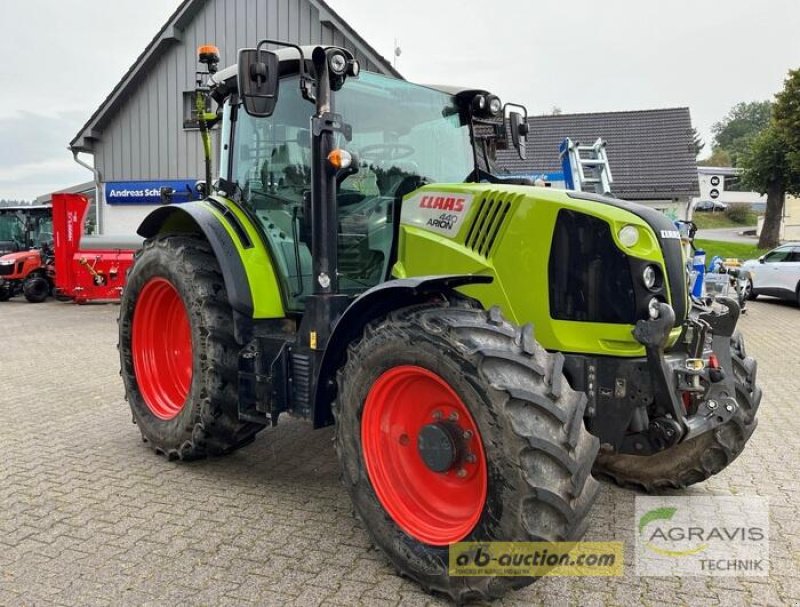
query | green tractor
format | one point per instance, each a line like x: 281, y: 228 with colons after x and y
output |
x: 359, y: 262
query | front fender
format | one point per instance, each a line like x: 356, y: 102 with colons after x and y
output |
x: 371, y: 305
x: 247, y: 268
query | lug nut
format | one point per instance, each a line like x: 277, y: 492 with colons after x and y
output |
x: 470, y: 458
x: 461, y: 473
x: 404, y: 439
x: 467, y: 434
x: 453, y: 416
x: 437, y: 414
x: 729, y: 408
x: 712, y: 404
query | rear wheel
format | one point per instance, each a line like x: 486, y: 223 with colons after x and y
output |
x: 5, y: 292
x: 178, y: 353
x: 696, y: 460
x: 36, y: 288
x: 454, y: 425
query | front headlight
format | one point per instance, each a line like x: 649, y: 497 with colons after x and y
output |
x: 652, y: 308
x: 650, y: 277
x: 629, y: 236
x: 6, y: 262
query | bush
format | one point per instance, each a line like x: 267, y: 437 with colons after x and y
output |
x: 739, y: 213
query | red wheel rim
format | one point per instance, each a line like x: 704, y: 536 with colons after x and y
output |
x: 162, y: 348
x: 437, y: 508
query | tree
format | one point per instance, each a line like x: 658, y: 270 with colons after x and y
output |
x: 772, y: 164
x: 787, y: 117
x: 698, y: 142
x: 743, y: 122
x: 768, y: 170
x: 718, y: 158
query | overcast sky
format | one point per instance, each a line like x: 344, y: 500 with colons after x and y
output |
x: 61, y: 58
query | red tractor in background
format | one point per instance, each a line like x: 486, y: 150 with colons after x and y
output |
x: 48, y: 254
x: 26, y: 252
x: 89, y: 268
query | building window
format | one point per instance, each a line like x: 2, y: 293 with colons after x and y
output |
x: 732, y: 184
x: 190, y: 120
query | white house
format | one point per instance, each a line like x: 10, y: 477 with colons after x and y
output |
x: 722, y: 184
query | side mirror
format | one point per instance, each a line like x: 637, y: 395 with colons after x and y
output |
x: 761, y: 259
x: 258, y: 81
x: 519, y: 133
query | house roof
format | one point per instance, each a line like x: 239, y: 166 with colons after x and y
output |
x: 171, y: 33
x: 650, y: 152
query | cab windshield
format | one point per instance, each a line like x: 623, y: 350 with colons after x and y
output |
x: 404, y: 136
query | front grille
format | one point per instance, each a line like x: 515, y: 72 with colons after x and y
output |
x: 6, y: 270
x: 492, y: 212
x: 670, y: 247
x: 590, y: 278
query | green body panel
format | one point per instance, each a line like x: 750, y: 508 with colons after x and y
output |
x: 259, y: 268
x: 518, y: 260
x: 258, y: 264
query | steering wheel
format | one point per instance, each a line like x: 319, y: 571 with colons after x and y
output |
x: 386, y: 151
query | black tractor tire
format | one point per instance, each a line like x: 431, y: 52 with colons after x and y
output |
x: 695, y: 460
x: 36, y: 288
x: 5, y: 292
x: 538, y: 453
x: 208, y: 422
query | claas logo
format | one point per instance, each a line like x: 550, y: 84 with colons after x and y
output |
x: 442, y: 203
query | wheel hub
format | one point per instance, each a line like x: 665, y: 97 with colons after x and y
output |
x: 440, y: 445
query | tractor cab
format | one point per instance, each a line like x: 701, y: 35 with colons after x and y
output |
x: 394, y: 136
x: 10, y: 233
x: 25, y: 227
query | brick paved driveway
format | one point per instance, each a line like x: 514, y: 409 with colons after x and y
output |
x: 89, y: 515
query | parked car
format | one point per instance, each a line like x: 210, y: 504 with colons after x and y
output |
x: 710, y: 206
x: 776, y: 273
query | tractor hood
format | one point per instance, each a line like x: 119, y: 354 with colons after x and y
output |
x: 571, y: 263
x: 12, y: 258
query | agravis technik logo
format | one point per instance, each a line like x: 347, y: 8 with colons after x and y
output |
x: 707, y: 535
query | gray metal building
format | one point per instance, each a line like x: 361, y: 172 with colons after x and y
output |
x: 142, y: 135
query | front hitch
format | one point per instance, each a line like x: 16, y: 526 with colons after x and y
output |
x: 671, y: 422
x: 653, y: 334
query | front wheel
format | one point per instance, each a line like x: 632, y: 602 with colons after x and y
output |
x: 749, y: 291
x: 454, y: 425
x: 178, y: 353
x: 36, y: 288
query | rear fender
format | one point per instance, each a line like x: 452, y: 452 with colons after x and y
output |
x: 247, y: 268
x: 371, y: 305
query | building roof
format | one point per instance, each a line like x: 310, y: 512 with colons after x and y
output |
x: 81, y: 188
x: 171, y: 33
x: 650, y: 152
